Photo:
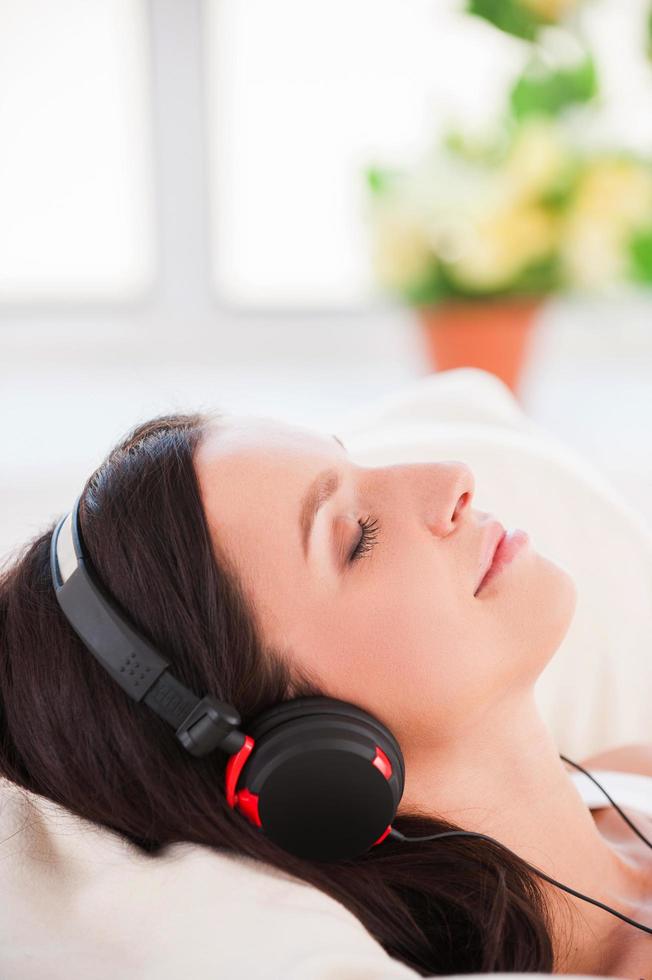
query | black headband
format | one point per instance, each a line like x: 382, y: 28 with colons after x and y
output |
x: 202, y: 724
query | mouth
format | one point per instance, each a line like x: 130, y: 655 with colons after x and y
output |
x: 494, y: 538
x: 510, y: 544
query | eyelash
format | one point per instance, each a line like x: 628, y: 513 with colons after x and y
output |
x: 369, y: 532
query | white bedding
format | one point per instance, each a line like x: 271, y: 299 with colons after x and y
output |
x: 77, y: 903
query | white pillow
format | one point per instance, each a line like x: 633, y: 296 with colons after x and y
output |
x: 78, y: 901
x: 594, y: 693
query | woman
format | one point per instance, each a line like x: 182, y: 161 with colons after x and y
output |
x: 201, y: 528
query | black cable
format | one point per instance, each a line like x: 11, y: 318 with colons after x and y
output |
x: 625, y: 818
x: 397, y: 835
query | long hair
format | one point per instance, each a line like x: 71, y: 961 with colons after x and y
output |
x: 68, y: 732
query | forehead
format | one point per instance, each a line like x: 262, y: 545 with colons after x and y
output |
x: 252, y: 473
x: 255, y: 438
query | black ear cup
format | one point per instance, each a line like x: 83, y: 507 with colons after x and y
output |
x: 302, y: 707
x: 327, y: 777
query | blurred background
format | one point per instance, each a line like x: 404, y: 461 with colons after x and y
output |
x: 289, y: 208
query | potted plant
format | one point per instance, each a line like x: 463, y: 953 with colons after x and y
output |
x: 478, y: 233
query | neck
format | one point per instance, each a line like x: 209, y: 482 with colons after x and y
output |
x: 502, y: 776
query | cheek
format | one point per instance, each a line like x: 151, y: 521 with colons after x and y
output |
x: 402, y: 652
x: 424, y: 655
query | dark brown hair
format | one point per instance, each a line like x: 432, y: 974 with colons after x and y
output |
x: 69, y: 733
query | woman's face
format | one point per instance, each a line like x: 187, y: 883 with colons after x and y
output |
x: 397, y: 629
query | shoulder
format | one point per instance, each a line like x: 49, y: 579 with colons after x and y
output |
x: 636, y: 757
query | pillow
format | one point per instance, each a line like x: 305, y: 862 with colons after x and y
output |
x: 77, y: 900
x: 593, y: 694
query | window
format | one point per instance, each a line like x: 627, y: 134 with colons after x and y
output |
x: 75, y: 166
x: 302, y: 96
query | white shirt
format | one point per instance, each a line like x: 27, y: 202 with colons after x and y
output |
x: 627, y: 789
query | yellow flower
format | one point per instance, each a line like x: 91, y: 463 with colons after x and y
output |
x: 401, y: 252
x: 551, y: 10
x: 593, y: 254
x: 613, y: 199
x: 618, y: 191
x: 536, y: 160
x: 501, y: 243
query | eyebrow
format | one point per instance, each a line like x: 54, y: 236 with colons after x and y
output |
x: 320, y: 490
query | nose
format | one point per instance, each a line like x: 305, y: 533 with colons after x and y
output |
x: 451, y: 496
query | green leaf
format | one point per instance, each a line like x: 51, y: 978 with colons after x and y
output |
x: 559, y: 194
x: 540, y: 277
x: 380, y: 180
x: 640, y: 255
x: 508, y: 16
x: 543, y: 92
x: 430, y: 289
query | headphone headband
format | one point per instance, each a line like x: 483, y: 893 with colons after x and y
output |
x: 202, y: 724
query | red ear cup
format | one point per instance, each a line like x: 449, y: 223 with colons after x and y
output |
x: 324, y: 778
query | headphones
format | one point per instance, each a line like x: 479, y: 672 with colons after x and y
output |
x: 320, y: 777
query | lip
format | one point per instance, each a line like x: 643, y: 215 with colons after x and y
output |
x: 493, y: 537
x: 508, y: 546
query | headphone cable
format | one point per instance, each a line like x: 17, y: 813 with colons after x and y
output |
x: 397, y: 835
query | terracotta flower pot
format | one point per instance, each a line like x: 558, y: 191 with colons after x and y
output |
x: 494, y: 335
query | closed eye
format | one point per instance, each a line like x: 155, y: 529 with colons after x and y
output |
x: 367, y: 539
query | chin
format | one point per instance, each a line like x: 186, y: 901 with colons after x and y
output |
x: 569, y: 586
x: 560, y: 603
